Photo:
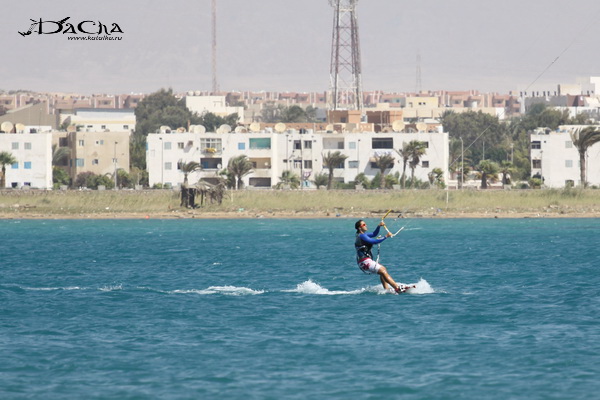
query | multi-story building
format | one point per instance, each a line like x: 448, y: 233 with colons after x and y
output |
x: 213, y: 104
x: 272, y: 153
x: 98, y: 152
x: 101, y: 120
x: 33, y: 153
x: 555, y: 159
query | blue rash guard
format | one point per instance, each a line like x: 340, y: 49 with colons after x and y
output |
x: 364, y: 242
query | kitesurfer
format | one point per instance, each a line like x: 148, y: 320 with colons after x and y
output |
x: 364, y: 257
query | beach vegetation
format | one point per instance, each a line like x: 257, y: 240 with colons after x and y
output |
x: 583, y: 139
x: 332, y: 161
x: 6, y: 158
x: 239, y: 167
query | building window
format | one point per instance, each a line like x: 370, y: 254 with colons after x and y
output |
x: 260, y: 143
x: 536, y: 145
x: 569, y: 163
x: 81, y: 142
x: 168, y: 166
x: 308, y: 164
x: 95, y: 161
x: 241, y: 146
x: 568, y: 144
x: 126, y: 127
x: 425, y: 164
x: 352, y: 164
x: 209, y: 143
x: 167, y: 145
x: 297, y: 145
x: 425, y: 144
x: 352, y: 145
x: 27, y: 165
x: 298, y: 164
x: 15, y: 165
x: 308, y: 144
x: 180, y: 145
x: 79, y: 162
x: 102, y: 126
x: 99, y: 142
x: 15, y: 145
x: 536, y: 164
x: 382, y: 143
x: 27, y: 146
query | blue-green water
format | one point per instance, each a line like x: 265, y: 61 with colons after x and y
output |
x: 272, y: 309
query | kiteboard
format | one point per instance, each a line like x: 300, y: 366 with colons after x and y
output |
x: 404, y: 288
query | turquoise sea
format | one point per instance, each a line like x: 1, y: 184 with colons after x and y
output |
x: 277, y: 309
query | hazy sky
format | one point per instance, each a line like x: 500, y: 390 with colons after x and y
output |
x: 285, y: 45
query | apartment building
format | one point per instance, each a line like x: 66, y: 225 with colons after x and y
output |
x: 271, y: 153
x: 33, y: 152
x: 98, y: 152
x: 555, y: 159
x: 101, y: 120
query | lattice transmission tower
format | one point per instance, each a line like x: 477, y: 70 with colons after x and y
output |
x: 345, y: 89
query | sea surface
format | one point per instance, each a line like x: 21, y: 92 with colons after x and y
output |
x: 277, y: 309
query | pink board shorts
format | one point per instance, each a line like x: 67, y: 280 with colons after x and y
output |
x: 368, y: 265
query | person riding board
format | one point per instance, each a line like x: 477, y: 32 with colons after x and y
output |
x: 364, y: 257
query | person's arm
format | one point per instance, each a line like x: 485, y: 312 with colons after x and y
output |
x: 371, y: 239
x: 375, y: 232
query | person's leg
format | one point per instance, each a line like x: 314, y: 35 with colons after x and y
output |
x: 385, y: 278
x: 383, y: 282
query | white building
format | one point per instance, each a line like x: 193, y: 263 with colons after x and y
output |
x: 556, y: 159
x: 101, y: 120
x: 272, y: 153
x: 33, y: 153
x: 213, y: 104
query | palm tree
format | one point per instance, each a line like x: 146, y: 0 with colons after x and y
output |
x: 405, y: 157
x: 188, y: 168
x: 290, y: 179
x: 487, y: 169
x: 584, y: 139
x: 59, y: 154
x: 506, y: 169
x: 415, y: 149
x: 321, y: 180
x: 384, y: 162
x: 239, y: 167
x: 332, y: 161
x: 436, y: 177
x: 5, y: 158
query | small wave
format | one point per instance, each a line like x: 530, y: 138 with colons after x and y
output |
x: 111, y: 288
x: 52, y: 288
x: 422, y: 287
x: 224, y: 290
x: 310, y: 287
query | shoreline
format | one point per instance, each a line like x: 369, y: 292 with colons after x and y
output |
x: 194, y: 214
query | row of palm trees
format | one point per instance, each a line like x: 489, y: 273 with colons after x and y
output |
x: 410, y: 153
x: 240, y: 166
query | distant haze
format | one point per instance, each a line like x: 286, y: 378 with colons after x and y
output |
x: 283, y: 45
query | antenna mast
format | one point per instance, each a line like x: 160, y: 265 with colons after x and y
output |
x: 419, y: 85
x: 345, y: 89
x: 215, y: 85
